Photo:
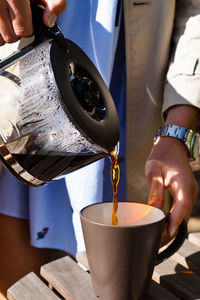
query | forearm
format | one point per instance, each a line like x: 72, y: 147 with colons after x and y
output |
x: 187, y: 116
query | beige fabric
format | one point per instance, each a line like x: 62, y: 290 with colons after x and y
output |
x: 148, y: 28
x: 183, y: 78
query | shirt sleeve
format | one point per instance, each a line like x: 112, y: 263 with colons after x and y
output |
x: 183, y: 77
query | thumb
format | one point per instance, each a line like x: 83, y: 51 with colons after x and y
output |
x: 53, y: 9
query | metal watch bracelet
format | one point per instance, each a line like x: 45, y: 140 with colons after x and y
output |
x: 190, y: 138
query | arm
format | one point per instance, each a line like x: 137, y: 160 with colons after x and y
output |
x: 16, y: 18
x: 168, y: 166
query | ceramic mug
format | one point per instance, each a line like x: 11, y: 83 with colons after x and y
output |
x: 122, y: 257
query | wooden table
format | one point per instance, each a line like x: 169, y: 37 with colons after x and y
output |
x: 175, y: 278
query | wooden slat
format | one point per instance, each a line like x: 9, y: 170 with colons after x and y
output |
x: 156, y: 292
x: 178, y: 279
x: 194, y: 222
x: 30, y: 287
x: 82, y: 259
x: 188, y: 256
x: 194, y: 238
x: 72, y: 282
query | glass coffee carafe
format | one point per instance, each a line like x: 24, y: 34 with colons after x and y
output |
x: 57, y: 114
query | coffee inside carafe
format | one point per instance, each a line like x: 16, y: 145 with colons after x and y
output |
x: 47, y: 167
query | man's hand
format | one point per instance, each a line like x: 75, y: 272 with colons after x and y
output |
x: 167, y: 167
x: 16, y: 17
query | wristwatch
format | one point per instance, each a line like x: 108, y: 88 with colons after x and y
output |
x: 190, y: 138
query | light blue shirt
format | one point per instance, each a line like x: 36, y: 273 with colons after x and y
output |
x: 91, y: 25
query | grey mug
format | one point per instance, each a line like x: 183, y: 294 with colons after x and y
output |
x: 122, y: 257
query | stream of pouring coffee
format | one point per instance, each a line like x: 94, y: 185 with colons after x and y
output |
x: 115, y: 175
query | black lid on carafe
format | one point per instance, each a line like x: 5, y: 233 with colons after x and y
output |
x: 85, y: 94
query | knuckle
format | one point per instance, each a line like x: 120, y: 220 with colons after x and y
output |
x: 154, y: 200
x: 23, y: 31
x: 10, y: 39
x: 151, y: 173
x: 2, y: 42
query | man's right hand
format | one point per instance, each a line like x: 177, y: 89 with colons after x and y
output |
x: 16, y: 17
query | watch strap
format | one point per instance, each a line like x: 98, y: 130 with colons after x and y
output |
x: 187, y: 136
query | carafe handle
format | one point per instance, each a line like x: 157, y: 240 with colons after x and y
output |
x: 41, y: 32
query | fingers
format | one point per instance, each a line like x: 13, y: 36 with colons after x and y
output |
x: 171, y: 170
x: 2, y: 42
x: 184, y: 192
x: 15, y: 20
x: 156, y: 195
x: 53, y: 9
x: 16, y: 17
x: 156, y: 184
x: 6, y: 30
x: 21, y: 17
